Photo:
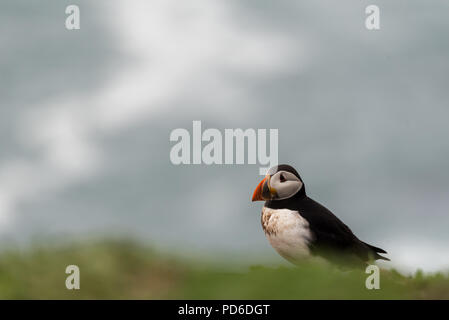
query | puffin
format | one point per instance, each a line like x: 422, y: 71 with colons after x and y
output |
x: 298, y: 227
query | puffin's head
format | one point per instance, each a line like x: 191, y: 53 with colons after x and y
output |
x: 281, y: 182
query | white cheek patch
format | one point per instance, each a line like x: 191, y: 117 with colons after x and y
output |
x: 289, y: 187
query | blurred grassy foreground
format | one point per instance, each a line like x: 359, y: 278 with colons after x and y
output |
x: 125, y: 270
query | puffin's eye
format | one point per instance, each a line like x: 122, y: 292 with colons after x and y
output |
x: 282, y: 178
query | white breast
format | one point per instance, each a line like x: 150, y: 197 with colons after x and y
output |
x: 287, y: 232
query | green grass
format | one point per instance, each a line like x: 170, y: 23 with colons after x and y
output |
x: 124, y: 270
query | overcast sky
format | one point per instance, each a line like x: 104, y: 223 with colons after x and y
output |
x: 86, y: 116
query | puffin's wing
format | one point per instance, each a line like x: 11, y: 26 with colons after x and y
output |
x: 330, y: 232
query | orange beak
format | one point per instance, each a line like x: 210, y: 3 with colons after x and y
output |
x: 257, y: 195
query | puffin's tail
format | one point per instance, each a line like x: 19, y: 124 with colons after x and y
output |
x: 376, y: 252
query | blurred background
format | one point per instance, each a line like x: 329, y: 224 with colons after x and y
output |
x: 86, y: 115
